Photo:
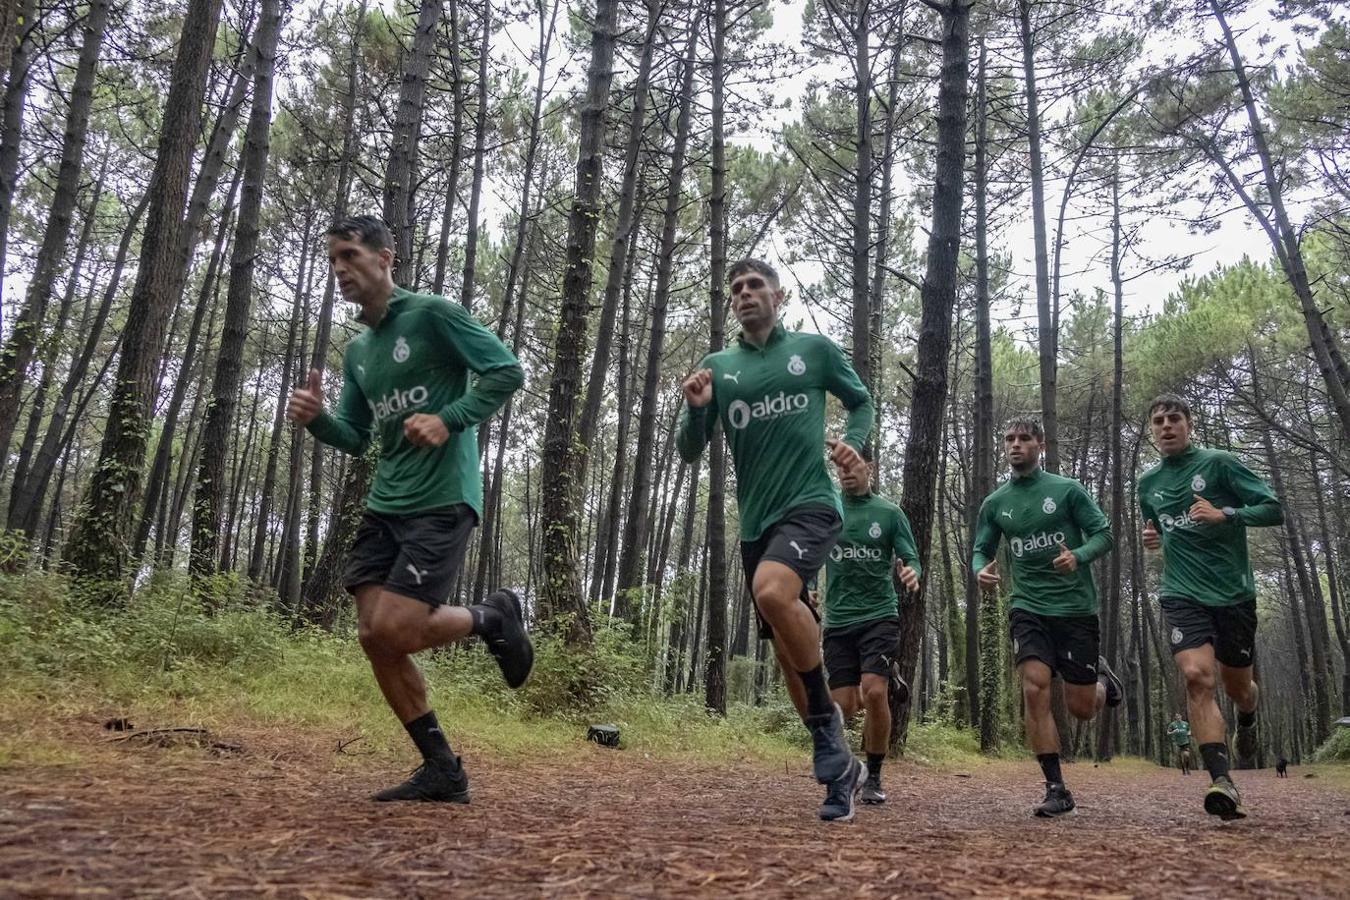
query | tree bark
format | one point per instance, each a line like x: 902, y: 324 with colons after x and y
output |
x: 19, y: 63
x: 97, y: 547
x: 480, y: 143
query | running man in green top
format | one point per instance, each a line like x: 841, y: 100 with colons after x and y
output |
x: 1179, y: 730
x: 1054, y: 530
x: 862, y: 618
x: 406, y: 386
x: 768, y: 392
x: 1197, y: 505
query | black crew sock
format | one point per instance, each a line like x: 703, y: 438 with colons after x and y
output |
x: 1215, y: 756
x: 1246, y: 719
x: 487, y: 620
x: 818, y: 700
x: 1050, y: 767
x: 426, y: 733
x: 874, y: 761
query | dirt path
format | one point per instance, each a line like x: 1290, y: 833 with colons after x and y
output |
x: 283, y: 818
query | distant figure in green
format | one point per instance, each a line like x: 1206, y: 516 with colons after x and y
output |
x: 768, y: 391
x: 1197, y: 505
x: 406, y: 385
x: 862, y: 611
x: 1054, y: 530
x: 1179, y: 730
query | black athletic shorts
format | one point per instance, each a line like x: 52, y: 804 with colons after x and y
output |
x: 1069, y: 645
x: 1231, y: 629
x: 416, y: 555
x: 800, y: 540
x: 854, y: 649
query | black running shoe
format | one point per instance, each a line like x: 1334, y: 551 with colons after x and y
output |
x: 510, y: 646
x: 842, y: 793
x: 872, y: 792
x: 431, y: 782
x: 1223, y: 800
x: 899, y: 686
x: 1115, y: 688
x: 1058, y: 802
x: 1244, y: 746
x: 830, y: 756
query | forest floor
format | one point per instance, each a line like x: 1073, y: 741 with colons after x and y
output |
x: 268, y: 811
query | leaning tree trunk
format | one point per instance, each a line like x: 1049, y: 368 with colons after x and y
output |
x: 97, y: 547
x: 562, y: 582
x: 22, y: 42
x: 51, y: 258
x: 636, y: 527
x: 938, y: 300
x: 206, y: 507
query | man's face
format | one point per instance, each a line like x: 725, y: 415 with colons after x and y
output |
x: 1171, y: 430
x: 1023, y: 448
x: 854, y: 480
x: 361, y: 271
x: 755, y: 299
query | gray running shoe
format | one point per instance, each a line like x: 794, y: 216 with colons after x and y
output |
x: 1223, y: 800
x: 1115, y: 688
x: 871, y: 791
x: 1058, y: 802
x: 842, y: 793
x: 830, y: 756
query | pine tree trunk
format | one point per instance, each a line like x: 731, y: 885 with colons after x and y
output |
x: 636, y: 527
x: 97, y: 547
x: 206, y: 512
x: 715, y: 675
x: 51, y: 259
x: 1047, y: 318
x: 938, y: 300
x: 562, y: 462
x: 456, y: 151
x: 983, y: 482
x: 480, y: 143
x: 23, y: 44
x: 401, y: 175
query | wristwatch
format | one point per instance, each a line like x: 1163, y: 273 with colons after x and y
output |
x: 1228, y: 512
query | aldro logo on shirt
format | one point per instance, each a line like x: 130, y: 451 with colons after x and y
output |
x: 1043, y: 541
x: 840, y: 552
x: 401, y: 351
x: 397, y: 402
x: 741, y: 414
x: 1170, y: 523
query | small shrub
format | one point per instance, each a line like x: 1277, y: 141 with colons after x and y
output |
x: 1335, y: 749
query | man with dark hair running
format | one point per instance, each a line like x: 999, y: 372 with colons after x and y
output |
x: 406, y: 385
x: 1197, y: 505
x: 1179, y: 730
x: 861, y: 614
x: 768, y: 390
x: 1054, y: 530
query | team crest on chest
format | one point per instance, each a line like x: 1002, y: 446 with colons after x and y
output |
x: 1048, y: 506
x: 875, y: 530
x: 1198, y: 483
x: 796, y: 366
x: 401, y: 351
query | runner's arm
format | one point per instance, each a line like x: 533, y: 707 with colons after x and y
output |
x: 349, y: 428
x: 905, y: 548
x: 986, y: 539
x: 1097, y: 538
x: 844, y: 383
x: 476, y: 348
x: 1260, y: 506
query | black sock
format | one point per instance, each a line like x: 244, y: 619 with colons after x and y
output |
x: 818, y: 700
x: 874, y: 761
x: 487, y: 620
x: 1050, y: 767
x: 1215, y: 756
x: 426, y: 733
x: 1246, y: 719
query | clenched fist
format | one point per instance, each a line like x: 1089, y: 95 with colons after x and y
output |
x: 1151, y: 539
x: 425, y: 430
x: 698, y: 388
x: 306, y: 402
x: 908, y: 577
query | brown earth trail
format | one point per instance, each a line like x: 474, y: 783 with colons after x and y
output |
x: 276, y: 816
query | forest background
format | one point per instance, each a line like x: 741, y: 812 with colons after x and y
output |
x: 997, y: 208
